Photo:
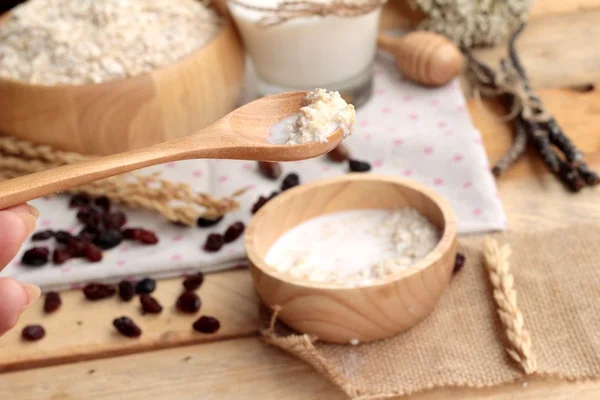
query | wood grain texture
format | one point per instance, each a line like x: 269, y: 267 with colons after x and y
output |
x: 425, y: 57
x: 121, y: 115
x: 82, y: 329
x: 338, y: 314
x: 240, y: 135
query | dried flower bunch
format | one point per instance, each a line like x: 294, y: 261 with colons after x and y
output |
x: 472, y: 23
x: 175, y: 201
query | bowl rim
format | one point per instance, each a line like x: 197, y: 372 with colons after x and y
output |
x: 444, y: 245
x: 227, y: 25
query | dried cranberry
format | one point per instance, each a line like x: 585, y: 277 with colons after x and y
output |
x: 146, y: 237
x: 42, y: 235
x: 114, y: 220
x: 290, y: 181
x: 98, y: 291
x: 103, y: 203
x: 206, y: 324
x: 33, y: 332
x: 52, y: 302
x: 359, y: 166
x: 270, y: 170
x: 193, y: 282
x: 145, y: 286
x: 150, y: 305
x: 234, y: 231
x: 92, y: 253
x: 127, y: 327
x: 35, y: 257
x: 126, y: 290
x: 76, y: 247
x: 62, y: 237
x: 459, y: 262
x: 108, y: 239
x: 60, y: 256
x: 131, y: 233
x: 214, y: 242
x: 80, y: 200
x: 188, y: 302
x: 207, y: 222
x: 339, y: 154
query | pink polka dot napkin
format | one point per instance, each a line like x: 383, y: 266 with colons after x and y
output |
x: 405, y: 130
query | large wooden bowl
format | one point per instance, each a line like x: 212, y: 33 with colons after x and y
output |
x: 367, y: 313
x: 120, y: 115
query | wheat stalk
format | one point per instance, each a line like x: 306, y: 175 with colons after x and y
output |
x: 505, y: 295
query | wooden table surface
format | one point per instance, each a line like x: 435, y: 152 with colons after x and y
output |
x: 559, y: 51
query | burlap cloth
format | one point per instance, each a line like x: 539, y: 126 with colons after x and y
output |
x: 463, y: 343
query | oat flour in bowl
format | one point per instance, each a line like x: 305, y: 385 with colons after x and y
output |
x: 353, y: 248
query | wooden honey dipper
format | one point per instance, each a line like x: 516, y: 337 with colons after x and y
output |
x: 427, y: 58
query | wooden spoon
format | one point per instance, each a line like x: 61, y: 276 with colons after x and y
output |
x: 240, y: 135
x: 427, y: 58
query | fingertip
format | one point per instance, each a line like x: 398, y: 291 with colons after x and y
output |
x: 14, y: 297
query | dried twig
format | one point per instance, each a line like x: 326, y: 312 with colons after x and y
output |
x: 505, y: 295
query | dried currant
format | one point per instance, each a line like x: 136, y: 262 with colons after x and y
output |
x: 98, y: 291
x: 131, y: 233
x: 145, y: 286
x: 259, y: 203
x: 359, y: 166
x: 88, y: 233
x: 52, y: 302
x: 206, y: 324
x: 35, y: 257
x: 62, y: 237
x: 108, y: 239
x: 33, y: 332
x: 42, y: 235
x: 214, y: 242
x: 339, y: 154
x: 126, y: 290
x: 76, y: 247
x: 188, y: 302
x: 114, y: 220
x: 290, y: 181
x: 92, y: 253
x: 459, y: 262
x: 144, y: 236
x: 60, y: 255
x: 103, y: 203
x: 90, y: 217
x: 270, y: 170
x: 80, y: 200
x: 234, y: 231
x: 150, y: 305
x: 127, y: 327
x: 193, y: 282
x: 207, y: 222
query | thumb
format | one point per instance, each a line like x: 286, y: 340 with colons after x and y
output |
x: 14, y: 298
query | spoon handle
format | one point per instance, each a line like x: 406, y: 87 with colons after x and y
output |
x: 25, y: 188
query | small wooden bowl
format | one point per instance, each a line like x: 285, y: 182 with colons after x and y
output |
x: 367, y: 313
x: 115, y: 116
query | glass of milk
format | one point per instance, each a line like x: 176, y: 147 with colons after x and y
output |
x: 301, y: 54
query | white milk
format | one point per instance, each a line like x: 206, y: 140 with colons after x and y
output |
x: 309, y: 52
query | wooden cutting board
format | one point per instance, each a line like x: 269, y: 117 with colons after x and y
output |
x: 82, y: 330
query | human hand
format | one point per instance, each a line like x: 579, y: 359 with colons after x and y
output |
x: 16, y: 224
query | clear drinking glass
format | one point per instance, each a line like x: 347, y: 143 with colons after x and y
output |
x: 301, y: 54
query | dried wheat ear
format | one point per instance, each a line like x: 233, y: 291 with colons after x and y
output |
x: 174, y: 200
